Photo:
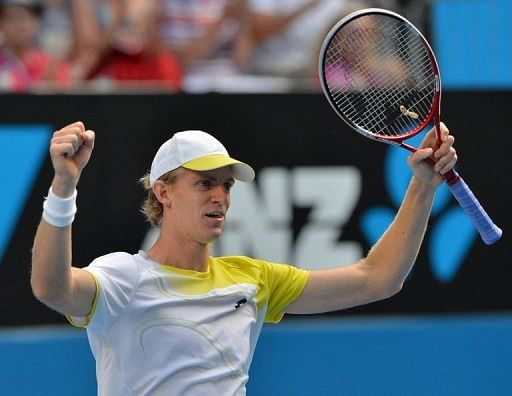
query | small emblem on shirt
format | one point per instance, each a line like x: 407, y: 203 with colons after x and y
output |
x: 241, y: 302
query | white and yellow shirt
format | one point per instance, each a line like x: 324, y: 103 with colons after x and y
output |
x: 160, y: 330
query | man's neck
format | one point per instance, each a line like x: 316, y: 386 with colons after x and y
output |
x: 183, y: 255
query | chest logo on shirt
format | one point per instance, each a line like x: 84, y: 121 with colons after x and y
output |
x: 241, y: 302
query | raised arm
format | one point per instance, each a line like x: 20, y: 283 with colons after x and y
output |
x: 265, y: 25
x: 54, y: 281
x: 204, y: 45
x: 382, y: 272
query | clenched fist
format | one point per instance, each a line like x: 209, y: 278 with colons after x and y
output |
x: 70, y: 150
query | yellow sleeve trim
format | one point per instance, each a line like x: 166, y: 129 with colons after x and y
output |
x: 275, y: 316
x: 84, y: 322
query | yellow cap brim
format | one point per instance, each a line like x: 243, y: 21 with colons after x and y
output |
x: 241, y: 171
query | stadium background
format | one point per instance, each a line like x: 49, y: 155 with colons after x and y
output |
x: 447, y: 332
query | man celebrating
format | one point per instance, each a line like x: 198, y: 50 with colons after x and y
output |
x: 173, y: 319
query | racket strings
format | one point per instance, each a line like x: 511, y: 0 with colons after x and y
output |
x: 379, y: 75
x: 358, y: 59
x: 380, y: 96
x: 378, y: 117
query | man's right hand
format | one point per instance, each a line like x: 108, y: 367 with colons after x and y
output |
x: 70, y: 150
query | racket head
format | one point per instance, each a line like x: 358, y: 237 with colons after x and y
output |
x: 380, y: 75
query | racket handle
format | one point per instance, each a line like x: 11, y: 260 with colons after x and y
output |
x: 489, y: 231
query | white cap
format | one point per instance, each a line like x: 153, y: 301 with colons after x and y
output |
x: 196, y: 150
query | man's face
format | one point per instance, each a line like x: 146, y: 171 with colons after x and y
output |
x: 199, y: 202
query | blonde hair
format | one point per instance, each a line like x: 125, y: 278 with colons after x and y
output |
x: 151, y: 208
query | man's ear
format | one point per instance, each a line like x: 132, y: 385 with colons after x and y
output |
x: 162, y: 192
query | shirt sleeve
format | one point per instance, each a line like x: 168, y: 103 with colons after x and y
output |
x: 116, y: 276
x: 284, y: 283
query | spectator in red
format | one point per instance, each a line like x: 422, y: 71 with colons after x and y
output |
x: 23, y: 65
x: 129, y: 53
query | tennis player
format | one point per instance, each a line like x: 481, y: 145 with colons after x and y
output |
x: 173, y: 320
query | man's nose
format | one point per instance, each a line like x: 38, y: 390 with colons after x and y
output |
x: 219, y: 194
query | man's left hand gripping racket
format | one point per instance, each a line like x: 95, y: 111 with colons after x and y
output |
x: 381, y: 77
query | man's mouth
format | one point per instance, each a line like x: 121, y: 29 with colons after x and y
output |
x: 215, y: 214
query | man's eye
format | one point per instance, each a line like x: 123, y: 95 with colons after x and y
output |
x: 228, y: 186
x: 205, y: 183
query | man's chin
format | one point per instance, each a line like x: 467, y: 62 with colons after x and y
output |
x: 214, y: 236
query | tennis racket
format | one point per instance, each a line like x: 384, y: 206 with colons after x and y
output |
x: 381, y: 77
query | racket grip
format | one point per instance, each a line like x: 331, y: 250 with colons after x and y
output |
x: 489, y: 231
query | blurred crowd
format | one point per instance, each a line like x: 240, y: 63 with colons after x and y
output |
x: 165, y: 45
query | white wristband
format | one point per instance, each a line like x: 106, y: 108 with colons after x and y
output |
x: 57, y: 211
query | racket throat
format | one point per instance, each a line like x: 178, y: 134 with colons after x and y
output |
x: 407, y: 147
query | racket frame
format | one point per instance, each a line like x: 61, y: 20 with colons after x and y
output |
x: 489, y: 232
x: 435, y: 110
